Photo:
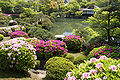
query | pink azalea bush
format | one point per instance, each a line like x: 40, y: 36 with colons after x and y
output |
x: 99, y: 69
x: 17, y: 55
x: 19, y: 34
x: 109, y: 51
x: 74, y: 43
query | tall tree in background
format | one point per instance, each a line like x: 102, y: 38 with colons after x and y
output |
x: 107, y: 19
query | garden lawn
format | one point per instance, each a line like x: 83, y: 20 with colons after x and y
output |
x: 76, y: 54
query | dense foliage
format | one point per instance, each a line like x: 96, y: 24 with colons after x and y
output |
x: 74, y: 43
x: 1, y: 37
x: 4, y: 20
x: 19, y: 34
x: 106, y: 19
x: 57, y: 67
x: 90, y: 46
x: 96, y: 69
x: 88, y: 35
x: 40, y: 33
x: 17, y: 55
x: 109, y: 51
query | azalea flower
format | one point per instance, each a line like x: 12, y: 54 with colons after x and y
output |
x: 86, y: 76
x: 105, y: 77
x: 103, y: 57
x: 69, y: 74
x: 92, y: 71
x: 118, y: 65
x: 113, y: 68
x: 93, y: 60
x: 99, y: 65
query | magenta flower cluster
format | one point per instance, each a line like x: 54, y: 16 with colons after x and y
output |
x: 19, y: 34
x: 113, y: 52
x: 49, y: 48
x: 74, y: 43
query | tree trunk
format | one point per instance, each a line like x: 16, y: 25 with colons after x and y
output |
x: 108, y: 36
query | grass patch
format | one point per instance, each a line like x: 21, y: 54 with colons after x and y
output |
x: 76, y: 54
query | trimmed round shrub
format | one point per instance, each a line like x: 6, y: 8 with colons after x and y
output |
x: 51, y: 48
x: 57, y: 67
x: 109, y: 51
x: 17, y: 55
x: 96, y: 69
x: 1, y: 37
x: 74, y: 43
x: 19, y: 34
x: 70, y: 57
x: 79, y: 59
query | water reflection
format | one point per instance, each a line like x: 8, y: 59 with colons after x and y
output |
x: 65, y: 26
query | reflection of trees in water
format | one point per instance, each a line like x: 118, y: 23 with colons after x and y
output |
x: 66, y: 25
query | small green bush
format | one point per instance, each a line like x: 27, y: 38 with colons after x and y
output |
x: 57, y: 68
x: 79, y: 59
x: 70, y: 57
x: 1, y: 37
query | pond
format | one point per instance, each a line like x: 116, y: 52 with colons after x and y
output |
x: 65, y: 26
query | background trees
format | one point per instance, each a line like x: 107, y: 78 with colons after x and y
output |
x: 106, y: 20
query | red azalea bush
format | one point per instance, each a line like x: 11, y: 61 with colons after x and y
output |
x: 74, y: 43
x: 109, y: 51
x: 19, y: 34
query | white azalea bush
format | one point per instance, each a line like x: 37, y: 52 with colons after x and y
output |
x: 96, y: 69
x: 17, y: 55
x: 6, y: 31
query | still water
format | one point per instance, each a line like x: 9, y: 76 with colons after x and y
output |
x: 65, y: 26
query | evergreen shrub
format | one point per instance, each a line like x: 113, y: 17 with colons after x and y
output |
x: 79, y: 59
x: 70, y: 57
x: 1, y: 37
x: 57, y: 67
